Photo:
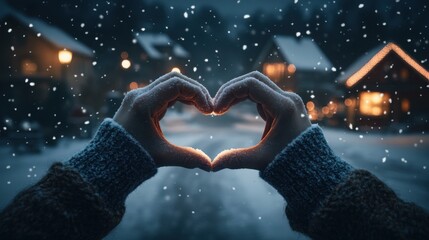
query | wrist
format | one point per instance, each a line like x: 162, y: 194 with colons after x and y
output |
x: 114, y: 163
x: 305, y: 173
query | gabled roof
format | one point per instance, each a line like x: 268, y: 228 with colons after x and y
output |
x: 52, y: 34
x: 149, y: 42
x: 303, y: 53
x: 368, y: 61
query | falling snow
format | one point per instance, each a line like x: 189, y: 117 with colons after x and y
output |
x: 211, y: 43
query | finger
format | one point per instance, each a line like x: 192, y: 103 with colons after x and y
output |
x: 175, y: 89
x: 250, y: 88
x: 170, y: 75
x: 261, y: 111
x: 254, y: 74
x: 163, y: 78
x: 239, y: 158
x: 268, y: 125
x: 186, y: 157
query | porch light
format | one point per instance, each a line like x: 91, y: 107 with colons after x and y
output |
x: 65, y: 56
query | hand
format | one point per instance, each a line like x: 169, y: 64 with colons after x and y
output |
x: 284, y: 113
x: 143, y: 108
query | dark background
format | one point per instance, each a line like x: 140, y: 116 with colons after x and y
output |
x: 180, y: 203
x: 342, y: 29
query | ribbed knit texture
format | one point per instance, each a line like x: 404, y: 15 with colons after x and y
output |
x: 305, y: 173
x: 114, y: 163
x: 70, y: 203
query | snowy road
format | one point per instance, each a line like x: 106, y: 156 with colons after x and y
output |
x: 192, y: 204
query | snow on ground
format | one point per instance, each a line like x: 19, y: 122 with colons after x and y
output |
x: 192, y: 204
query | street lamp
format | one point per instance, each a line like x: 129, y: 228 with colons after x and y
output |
x: 126, y: 64
x: 65, y: 57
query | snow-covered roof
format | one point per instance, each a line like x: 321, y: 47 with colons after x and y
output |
x: 370, y: 59
x: 149, y: 42
x: 303, y: 53
x: 53, y: 34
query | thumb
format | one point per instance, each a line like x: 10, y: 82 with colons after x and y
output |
x: 186, y: 157
x: 239, y: 158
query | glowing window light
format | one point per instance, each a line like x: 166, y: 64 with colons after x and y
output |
x: 291, y: 69
x: 275, y: 71
x: 126, y: 64
x: 348, y: 102
x: 310, y: 106
x: 380, y: 56
x: 28, y: 67
x: 65, y: 56
x: 133, y: 85
x: 176, y: 69
x: 405, y: 105
x: 373, y: 103
x: 325, y: 110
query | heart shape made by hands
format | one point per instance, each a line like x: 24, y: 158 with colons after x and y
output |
x: 240, y: 127
x: 283, y: 112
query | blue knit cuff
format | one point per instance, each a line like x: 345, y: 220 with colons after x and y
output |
x: 305, y: 173
x: 114, y: 163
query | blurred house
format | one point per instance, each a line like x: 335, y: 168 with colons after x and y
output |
x: 152, y: 55
x: 43, y: 72
x: 31, y: 47
x: 386, y: 88
x: 300, y: 66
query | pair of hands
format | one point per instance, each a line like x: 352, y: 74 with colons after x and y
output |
x: 283, y: 112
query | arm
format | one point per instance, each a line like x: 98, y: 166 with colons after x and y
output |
x: 84, y: 198
x: 326, y: 197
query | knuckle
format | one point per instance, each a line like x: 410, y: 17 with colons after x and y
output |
x: 176, y: 81
x: 138, y: 102
x: 256, y: 73
x: 252, y: 82
x: 295, y: 98
x: 288, y: 106
x: 171, y: 74
x: 130, y: 97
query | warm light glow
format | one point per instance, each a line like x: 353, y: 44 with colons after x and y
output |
x: 348, y: 102
x: 275, y: 71
x: 325, y: 110
x: 65, y: 56
x: 310, y: 106
x: 133, y: 85
x: 374, y: 103
x: 313, y: 115
x: 332, y: 106
x: 380, y: 56
x: 176, y: 69
x: 291, y: 69
x: 28, y: 67
x: 126, y: 64
x: 124, y: 55
x: 405, y: 105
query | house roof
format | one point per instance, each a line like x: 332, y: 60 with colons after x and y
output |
x: 149, y: 42
x: 303, y: 53
x: 52, y: 34
x: 368, y: 61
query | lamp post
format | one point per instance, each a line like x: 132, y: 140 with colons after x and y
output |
x: 126, y: 64
x: 65, y: 57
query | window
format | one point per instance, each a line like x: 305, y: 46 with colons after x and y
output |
x: 275, y: 71
x: 28, y: 67
x: 405, y: 105
x: 374, y: 103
